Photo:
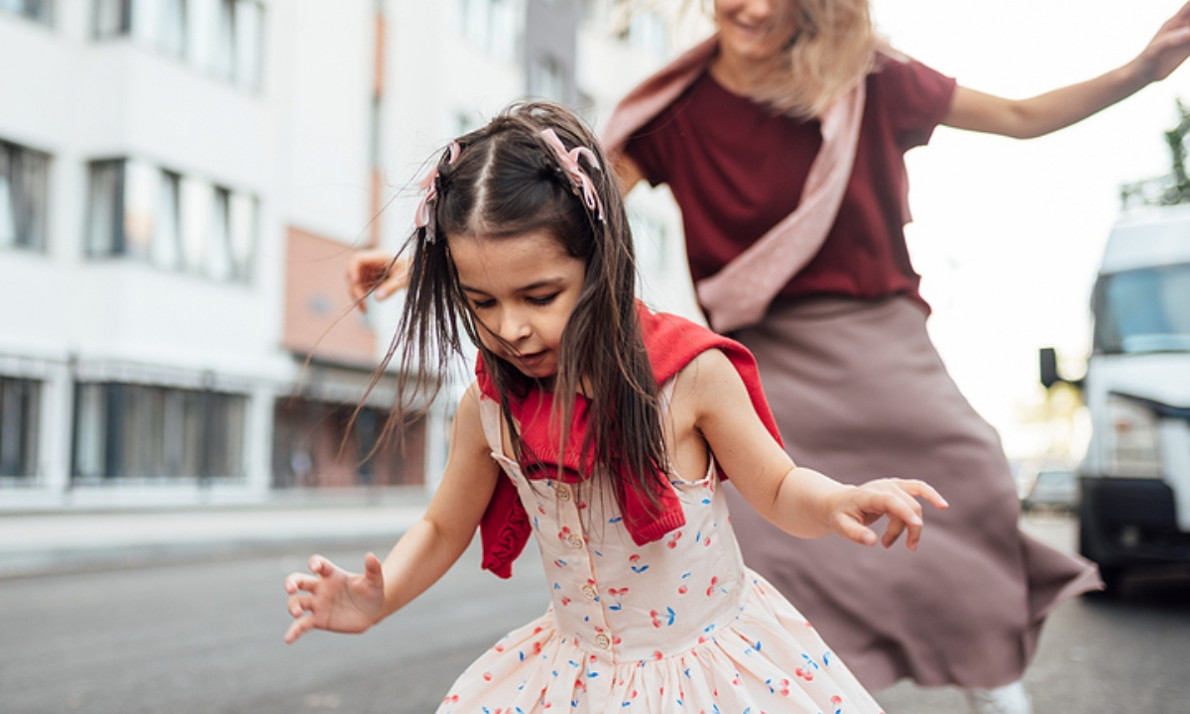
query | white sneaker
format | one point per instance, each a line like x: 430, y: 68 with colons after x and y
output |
x: 1009, y: 699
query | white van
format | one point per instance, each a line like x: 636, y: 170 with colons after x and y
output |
x: 1134, y: 503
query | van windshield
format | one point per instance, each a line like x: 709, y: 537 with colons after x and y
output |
x: 1143, y: 310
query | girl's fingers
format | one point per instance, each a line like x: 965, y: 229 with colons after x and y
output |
x: 298, y: 581
x: 895, y: 528
x: 297, y: 629
x: 373, y: 570
x: 852, y: 529
x: 299, y: 604
x: 900, y: 506
x: 321, y: 566
x: 923, y: 490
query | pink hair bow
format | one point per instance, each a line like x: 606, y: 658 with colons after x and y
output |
x: 429, y: 186
x: 569, y: 160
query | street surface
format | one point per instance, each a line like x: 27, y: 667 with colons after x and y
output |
x: 204, y: 635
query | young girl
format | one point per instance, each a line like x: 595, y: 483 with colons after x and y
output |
x: 604, y: 430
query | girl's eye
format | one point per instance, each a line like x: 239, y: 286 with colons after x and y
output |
x: 482, y: 304
x: 546, y: 300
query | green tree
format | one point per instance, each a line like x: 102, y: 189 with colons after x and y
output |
x: 1173, y: 188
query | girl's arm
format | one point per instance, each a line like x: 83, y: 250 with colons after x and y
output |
x: 798, y: 500
x: 1028, y: 118
x: 333, y: 599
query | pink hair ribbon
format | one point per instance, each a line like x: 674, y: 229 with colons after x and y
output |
x: 569, y: 161
x: 424, y: 213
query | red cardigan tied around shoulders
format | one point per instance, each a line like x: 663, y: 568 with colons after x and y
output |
x: 672, y: 342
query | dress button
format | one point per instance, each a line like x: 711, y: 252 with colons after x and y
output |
x: 603, y: 640
x: 574, y: 541
x: 589, y: 592
x: 563, y: 492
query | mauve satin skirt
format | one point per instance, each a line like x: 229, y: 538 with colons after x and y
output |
x: 860, y: 393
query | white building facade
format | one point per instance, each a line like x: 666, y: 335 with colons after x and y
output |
x: 181, y: 184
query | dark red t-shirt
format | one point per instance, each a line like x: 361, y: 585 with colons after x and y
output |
x: 736, y: 169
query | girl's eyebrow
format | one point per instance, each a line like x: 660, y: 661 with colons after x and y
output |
x: 548, y: 283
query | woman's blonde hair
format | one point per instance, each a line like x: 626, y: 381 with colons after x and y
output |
x: 833, y: 50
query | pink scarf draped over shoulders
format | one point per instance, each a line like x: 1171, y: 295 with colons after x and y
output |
x: 739, y: 294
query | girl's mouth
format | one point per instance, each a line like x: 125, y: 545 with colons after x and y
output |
x: 531, y: 359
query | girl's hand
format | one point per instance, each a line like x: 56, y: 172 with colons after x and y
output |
x: 1168, y: 48
x: 855, y: 508
x: 377, y: 271
x: 337, y: 601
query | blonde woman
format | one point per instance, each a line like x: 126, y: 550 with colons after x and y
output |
x: 782, y: 138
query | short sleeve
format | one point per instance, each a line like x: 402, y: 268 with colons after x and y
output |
x: 916, y: 97
x: 653, y: 146
x: 646, y: 149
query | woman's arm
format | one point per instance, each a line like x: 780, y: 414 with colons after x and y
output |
x: 1044, y: 113
x: 800, y: 501
x: 628, y: 174
x: 345, y: 602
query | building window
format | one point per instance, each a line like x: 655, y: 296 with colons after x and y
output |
x: 161, y: 24
x: 547, y: 80
x: 138, y: 431
x: 492, y: 25
x: 171, y: 221
x: 39, y: 10
x: 24, y: 183
x: 222, y: 36
x: 112, y: 17
x: 647, y: 31
x: 236, y: 38
x: 317, y: 444
x: 20, y: 400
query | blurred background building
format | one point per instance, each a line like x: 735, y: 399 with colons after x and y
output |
x: 181, y: 185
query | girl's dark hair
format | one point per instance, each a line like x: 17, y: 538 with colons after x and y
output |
x: 506, y: 181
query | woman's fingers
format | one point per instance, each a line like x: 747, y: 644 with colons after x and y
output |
x: 376, y: 272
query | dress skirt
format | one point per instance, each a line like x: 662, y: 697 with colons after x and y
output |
x: 859, y: 392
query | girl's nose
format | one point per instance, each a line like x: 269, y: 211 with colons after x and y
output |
x: 514, y: 326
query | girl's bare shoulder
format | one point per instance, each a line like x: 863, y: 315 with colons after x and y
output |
x: 708, y: 378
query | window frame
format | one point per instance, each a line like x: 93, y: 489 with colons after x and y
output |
x: 25, y: 175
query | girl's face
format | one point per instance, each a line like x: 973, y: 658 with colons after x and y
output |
x: 755, y: 30
x: 522, y: 289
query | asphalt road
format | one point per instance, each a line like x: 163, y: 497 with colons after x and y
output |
x: 204, y: 635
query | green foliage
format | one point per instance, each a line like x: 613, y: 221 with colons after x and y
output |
x: 1173, y: 188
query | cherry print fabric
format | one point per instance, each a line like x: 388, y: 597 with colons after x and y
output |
x: 674, y: 625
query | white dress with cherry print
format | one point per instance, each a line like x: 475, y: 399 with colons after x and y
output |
x: 676, y: 625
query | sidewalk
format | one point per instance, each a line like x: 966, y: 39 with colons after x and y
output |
x: 71, y: 541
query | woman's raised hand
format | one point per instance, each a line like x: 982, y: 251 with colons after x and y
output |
x: 858, y: 507
x: 330, y: 598
x: 376, y: 271
x: 1168, y: 48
